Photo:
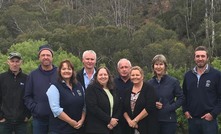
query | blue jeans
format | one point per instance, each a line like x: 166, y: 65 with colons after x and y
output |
x: 8, y: 127
x: 40, y: 126
x: 167, y: 127
x: 202, y: 126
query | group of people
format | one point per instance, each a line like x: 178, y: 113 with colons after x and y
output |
x: 91, y: 101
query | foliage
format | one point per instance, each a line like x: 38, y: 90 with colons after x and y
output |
x: 29, y: 52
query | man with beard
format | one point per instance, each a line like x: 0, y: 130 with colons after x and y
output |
x: 202, y: 91
x: 37, y: 85
x: 85, y: 75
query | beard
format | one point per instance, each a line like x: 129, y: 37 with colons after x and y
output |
x: 201, y: 65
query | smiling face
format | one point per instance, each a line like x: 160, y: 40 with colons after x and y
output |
x: 89, y: 60
x: 66, y: 72
x: 46, y: 58
x: 102, y: 77
x: 201, y: 58
x: 159, y: 68
x: 136, y: 76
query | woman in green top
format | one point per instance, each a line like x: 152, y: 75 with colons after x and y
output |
x: 102, y: 104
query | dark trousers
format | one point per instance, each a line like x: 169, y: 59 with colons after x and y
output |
x: 202, y: 126
x: 40, y: 126
x: 167, y: 127
x: 8, y: 127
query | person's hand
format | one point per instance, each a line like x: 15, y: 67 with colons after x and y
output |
x: 26, y: 119
x: 79, y: 124
x: 159, y: 105
x: 110, y: 126
x: 132, y: 123
x: 207, y: 117
x: 73, y: 123
x: 2, y: 120
x: 187, y: 115
x: 113, y: 122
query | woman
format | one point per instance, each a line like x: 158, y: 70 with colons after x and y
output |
x: 139, y: 105
x: 103, y: 104
x: 169, y: 93
x: 66, y: 99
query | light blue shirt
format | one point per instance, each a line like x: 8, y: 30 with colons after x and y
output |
x: 54, y: 100
x: 87, y: 80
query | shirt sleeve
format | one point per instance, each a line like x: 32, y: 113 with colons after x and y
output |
x: 54, y: 100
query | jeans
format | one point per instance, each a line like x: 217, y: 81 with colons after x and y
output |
x: 202, y: 126
x: 8, y: 127
x: 40, y: 126
x: 167, y: 127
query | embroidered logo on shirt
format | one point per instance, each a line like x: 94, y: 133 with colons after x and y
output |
x: 208, y: 83
x: 22, y: 84
x: 79, y: 92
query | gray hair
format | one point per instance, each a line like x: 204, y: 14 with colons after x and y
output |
x: 89, y: 51
x: 123, y: 59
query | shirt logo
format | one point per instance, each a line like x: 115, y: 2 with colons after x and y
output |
x: 208, y: 83
x: 22, y: 84
x: 79, y: 92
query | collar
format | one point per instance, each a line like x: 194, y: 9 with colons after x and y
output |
x: 205, y: 71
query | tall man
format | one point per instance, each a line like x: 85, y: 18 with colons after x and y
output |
x: 38, y: 83
x: 122, y: 81
x: 85, y: 75
x: 13, y: 113
x: 202, y: 91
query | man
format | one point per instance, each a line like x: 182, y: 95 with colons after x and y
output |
x: 123, y: 82
x: 13, y: 113
x: 85, y: 75
x: 202, y: 91
x: 38, y: 83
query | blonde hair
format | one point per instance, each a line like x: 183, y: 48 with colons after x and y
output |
x: 139, y: 69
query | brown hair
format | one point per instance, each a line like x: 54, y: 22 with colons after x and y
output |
x: 110, y: 83
x: 73, y: 79
x: 202, y: 48
x: 160, y: 58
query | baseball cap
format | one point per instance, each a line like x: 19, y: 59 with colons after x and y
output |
x: 14, y: 55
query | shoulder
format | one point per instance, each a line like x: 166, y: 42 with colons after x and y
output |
x: 80, y: 72
x: 147, y: 87
x: 171, y: 79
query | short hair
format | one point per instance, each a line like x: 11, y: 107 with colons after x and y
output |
x: 202, y: 48
x: 89, y: 51
x: 73, y: 79
x: 123, y: 59
x: 137, y: 68
x: 160, y: 58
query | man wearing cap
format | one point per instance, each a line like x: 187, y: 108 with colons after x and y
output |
x: 13, y: 113
x: 38, y: 82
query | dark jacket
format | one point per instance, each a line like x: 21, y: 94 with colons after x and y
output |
x: 36, y: 87
x: 11, y: 96
x: 80, y: 77
x: 204, y: 95
x: 146, y: 100
x: 72, y: 105
x: 122, y: 86
x: 170, y: 94
x: 98, y: 110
